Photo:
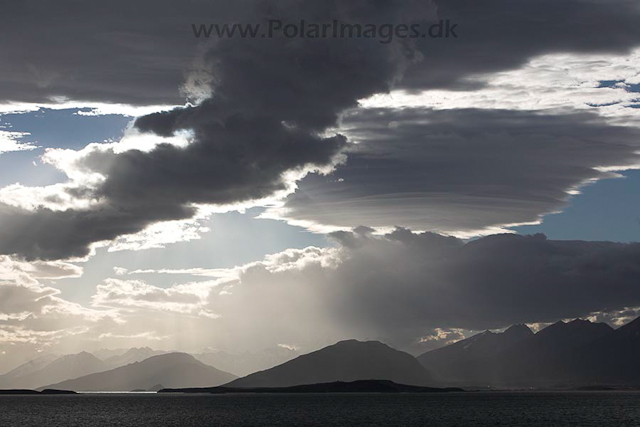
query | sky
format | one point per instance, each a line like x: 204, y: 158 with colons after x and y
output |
x: 242, y: 193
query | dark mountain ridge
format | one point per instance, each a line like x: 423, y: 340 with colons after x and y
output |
x: 344, y: 361
x: 464, y: 360
x: 612, y: 359
x: 579, y: 353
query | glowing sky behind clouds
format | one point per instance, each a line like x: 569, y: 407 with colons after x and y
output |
x: 136, y: 211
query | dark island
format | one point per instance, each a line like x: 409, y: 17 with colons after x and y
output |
x: 45, y: 391
x: 362, y: 386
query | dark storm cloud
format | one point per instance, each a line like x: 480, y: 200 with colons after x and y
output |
x: 139, y: 53
x: 492, y: 282
x: 52, y: 234
x: 301, y: 81
x: 460, y: 170
x: 496, y: 35
x: 273, y: 99
x: 401, y: 286
x: 116, y: 51
x: 241, y: 160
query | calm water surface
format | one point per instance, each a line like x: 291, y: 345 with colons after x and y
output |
x: 513, y: 409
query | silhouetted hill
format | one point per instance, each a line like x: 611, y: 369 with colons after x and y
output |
x: 345, y: 361
x: 361, y: 386
x: 464, y: 361
x: 62, y: 368
x: 171, y: 370
x: 46, y: 391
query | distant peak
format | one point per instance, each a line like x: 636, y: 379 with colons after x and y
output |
x: 519, y: 329
x: 575, y: 326
x: 584, y: 323
x: 357, y: 342
x: 139, y: 349
x: 352, y: 340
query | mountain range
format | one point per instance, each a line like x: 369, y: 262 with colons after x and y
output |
x: 578, y: 353
x: 37, y: 373
x: 464, y: 361
x: 52, y: 368
x: 565, y: 353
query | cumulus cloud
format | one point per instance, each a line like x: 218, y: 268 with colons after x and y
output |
x: 135, y: 294
x: 401, y: 287
x: 36, y: 318
x: 11, y: 269
x: 413, y: 290
x: 33, y: 315
x: 159, y: 235
x: 10, y: 141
